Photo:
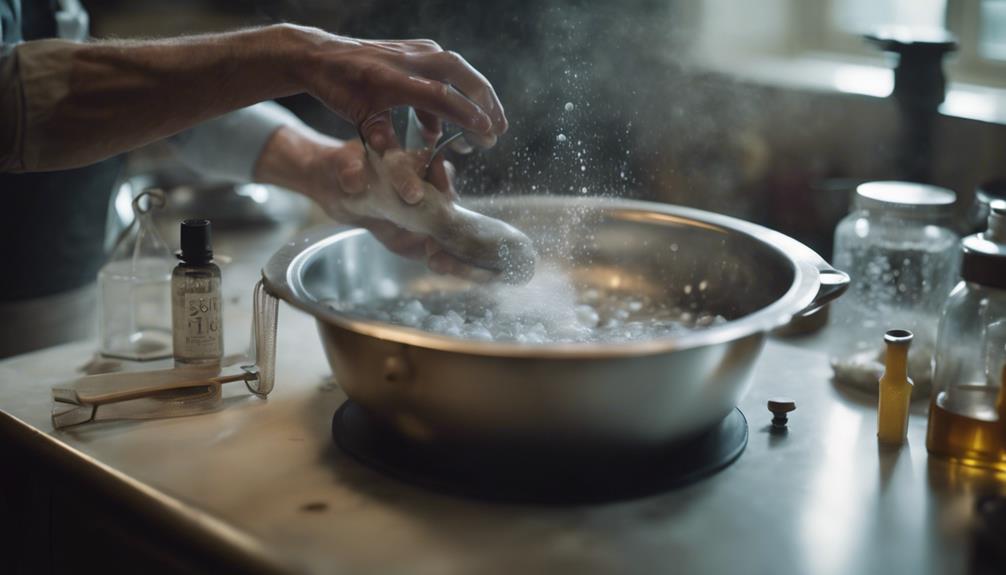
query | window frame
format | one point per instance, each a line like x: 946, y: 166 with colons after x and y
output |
x: 793, y: 43
x: 962, y: 18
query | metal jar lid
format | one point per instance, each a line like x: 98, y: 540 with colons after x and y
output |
x: 984, y: 260
x: 988, y: 194
x: 905, y: 198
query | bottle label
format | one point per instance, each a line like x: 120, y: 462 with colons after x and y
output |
x: 202, y: 325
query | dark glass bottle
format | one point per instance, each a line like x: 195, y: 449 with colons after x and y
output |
x: 196, y: 307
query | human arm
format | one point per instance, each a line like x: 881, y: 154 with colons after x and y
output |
x: 74, y: 104
x: 228, y: 148
x: 332, y: 172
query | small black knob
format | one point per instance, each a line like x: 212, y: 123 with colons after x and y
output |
x: 780, y: 406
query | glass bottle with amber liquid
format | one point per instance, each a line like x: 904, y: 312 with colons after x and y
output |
x: 967, y: 416
x: 197, y: 318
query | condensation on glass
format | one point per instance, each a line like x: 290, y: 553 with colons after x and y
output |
x: 901, y: 253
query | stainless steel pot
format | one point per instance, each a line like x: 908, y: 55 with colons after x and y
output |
x: 644, y: 393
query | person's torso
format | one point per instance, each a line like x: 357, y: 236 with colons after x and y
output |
x: 53, y: 222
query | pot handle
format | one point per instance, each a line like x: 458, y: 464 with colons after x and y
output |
x: 831, y: 284
x: 265, y: 318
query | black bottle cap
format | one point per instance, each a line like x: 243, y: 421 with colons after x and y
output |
x: 196, y: 245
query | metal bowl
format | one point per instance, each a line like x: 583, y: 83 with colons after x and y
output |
x: 642, y: 393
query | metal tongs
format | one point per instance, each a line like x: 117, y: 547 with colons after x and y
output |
x: 177, y: 391
x: 490, y: 248
x: 414, y: 139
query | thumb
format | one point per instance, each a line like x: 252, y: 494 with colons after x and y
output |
x: 349, y: 168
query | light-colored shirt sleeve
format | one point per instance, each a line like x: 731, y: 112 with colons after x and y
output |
x: 227, y: 148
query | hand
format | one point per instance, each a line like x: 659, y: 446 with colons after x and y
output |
x: 104, y: 98
x: 362, y: 80
x: 328, y: 170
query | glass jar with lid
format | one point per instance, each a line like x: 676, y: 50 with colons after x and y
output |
x: 901, y: 252
x: 967, y: 417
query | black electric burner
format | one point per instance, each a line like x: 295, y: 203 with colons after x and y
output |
x: 522, y: 475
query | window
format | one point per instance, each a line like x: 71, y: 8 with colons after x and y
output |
x: 981, y: 26
x: 836, y: 26
x: 859, y: 16
x: 992, y: 34
x: 818, y: 44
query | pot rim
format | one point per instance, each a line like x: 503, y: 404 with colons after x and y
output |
x: 815, y: 283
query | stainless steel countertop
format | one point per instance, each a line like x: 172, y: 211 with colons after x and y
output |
x: 821, y: 499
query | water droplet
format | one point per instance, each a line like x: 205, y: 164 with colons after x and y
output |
x: 560, y: 138
x: 583, y: 190
x: 568, y: 107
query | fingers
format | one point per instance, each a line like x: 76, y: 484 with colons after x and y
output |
x: 442, y: 100
x: 415, y: 45
x: 379, y: 133
x: 432, y: 127
x: 439, y: 85
x: 452, y: 68
x: 461, y: 146
x: 350, y: 170
x: 405, y: 171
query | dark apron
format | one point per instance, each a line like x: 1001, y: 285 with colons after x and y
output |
x: 53, y: 222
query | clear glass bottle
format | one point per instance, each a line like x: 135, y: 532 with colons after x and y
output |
x: 197, y: 315
x: 967, y: 416
x: 134, y: 289
x: 901, y: 253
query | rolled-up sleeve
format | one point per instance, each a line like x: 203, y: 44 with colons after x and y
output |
x: 228, y: 147
x: 11, y: 111
x: 34, y: 79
